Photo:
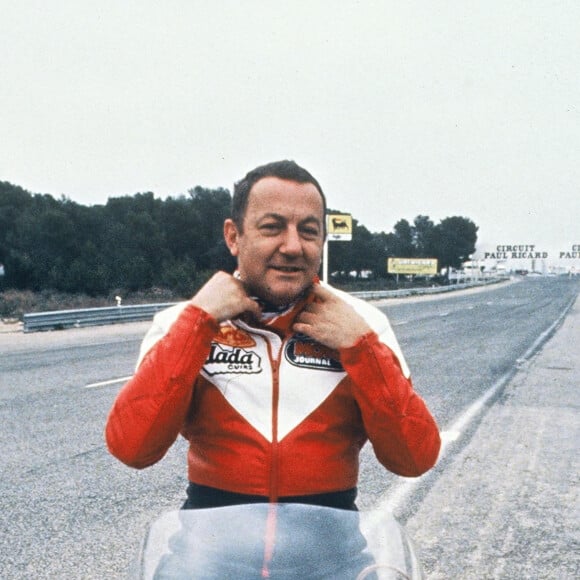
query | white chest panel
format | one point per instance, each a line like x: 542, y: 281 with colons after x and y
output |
x: 307, y: 374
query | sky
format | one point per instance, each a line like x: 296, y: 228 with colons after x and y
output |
x: 451, y: 108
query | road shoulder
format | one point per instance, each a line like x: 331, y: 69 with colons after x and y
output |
x: 507, y: 507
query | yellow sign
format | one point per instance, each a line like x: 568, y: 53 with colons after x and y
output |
x: 420, y: 266
x: 339, y: 227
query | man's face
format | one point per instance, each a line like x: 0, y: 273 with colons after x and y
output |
x: 280, y: 249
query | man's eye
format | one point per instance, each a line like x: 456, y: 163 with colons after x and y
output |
x: 310, y: 232
x: 270, y: 227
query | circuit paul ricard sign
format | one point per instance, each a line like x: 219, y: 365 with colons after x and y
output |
x: 572, y: 254
x: 412, y: 266
x: 515, y: 252
x: 339, y: 227
x: 529, y: 252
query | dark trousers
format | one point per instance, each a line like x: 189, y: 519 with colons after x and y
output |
x: 202, y: 496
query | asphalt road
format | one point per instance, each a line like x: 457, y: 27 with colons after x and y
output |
x: 506, y: 505
x: 69, y: 510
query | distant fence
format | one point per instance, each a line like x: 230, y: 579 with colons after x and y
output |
x: 61, y: 319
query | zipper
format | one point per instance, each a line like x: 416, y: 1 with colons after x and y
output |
x: 271, y: 522
x: 274, y: 452
x: 273, y: 341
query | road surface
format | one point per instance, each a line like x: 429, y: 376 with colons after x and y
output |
x: 69, y: 510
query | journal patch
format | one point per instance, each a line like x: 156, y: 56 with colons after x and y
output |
x: 302, y: 351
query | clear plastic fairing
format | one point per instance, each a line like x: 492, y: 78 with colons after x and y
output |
x: 277, y: 541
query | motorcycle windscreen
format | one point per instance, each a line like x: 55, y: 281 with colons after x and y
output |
x: 277, y: 541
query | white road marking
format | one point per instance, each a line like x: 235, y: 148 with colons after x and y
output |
x: 107, y: 383
x: 449, y: 436
x: 455, y: 431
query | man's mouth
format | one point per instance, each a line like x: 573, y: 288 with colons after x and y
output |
x: 287, y: 269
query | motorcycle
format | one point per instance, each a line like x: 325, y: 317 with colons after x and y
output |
x: 279, y: 542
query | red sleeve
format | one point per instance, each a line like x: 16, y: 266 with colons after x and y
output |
x: 401, y: 429
x: 150, y: 410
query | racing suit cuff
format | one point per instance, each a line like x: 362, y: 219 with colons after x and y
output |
x: 203, y: 317
x: 368, y: 344
x: 351, y: 354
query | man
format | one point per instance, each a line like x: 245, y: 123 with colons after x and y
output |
x: 276, y: 380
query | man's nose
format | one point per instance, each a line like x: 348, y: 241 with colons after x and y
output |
x: 291, y: 244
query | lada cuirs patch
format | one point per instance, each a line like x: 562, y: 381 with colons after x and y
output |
x: 225, y: 359
x: 302, y: 351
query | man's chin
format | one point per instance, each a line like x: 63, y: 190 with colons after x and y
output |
x: 284, y: 294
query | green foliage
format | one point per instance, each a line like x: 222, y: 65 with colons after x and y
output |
x: 454, y: 241
x: 423, y: 233
x: 451, y: 241
x: 132, y: 243
x: 358, y: 256
x: 139, y: 242
x: 400, y: 242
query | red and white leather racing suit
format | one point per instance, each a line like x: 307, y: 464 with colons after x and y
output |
x: 268, y: 412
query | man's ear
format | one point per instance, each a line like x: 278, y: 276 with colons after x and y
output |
x: 231, y: 236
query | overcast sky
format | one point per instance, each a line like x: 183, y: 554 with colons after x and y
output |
x: 468, y: 108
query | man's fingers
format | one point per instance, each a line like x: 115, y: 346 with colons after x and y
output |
x: 302, y: 328
x: 321, y: 292
x: 252, y: 307
x: 312, y: 307
x: 305, y: 318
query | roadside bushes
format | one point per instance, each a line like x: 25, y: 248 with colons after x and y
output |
x: 16, y: 303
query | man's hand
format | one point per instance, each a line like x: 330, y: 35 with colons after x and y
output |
x: 331, y: 321
x: 224, y: 297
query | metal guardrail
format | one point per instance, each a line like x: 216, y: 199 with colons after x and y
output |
x: 381, y: 294
x: 60, y: 319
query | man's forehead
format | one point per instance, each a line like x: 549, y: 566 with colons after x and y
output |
x: 273, y: 195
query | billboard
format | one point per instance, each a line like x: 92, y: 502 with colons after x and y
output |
x: 419, y: 266
x: 339, y: 227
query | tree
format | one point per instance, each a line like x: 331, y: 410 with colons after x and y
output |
x: 422, y: 234
x: 13, y: 203
x: 400, y: 242
x: 212, y: 207
x: 454, y: 241
x: 179, y: 222
x: 362, y: 246
x: 378, y: 254
x: 41, y: 242
x: 132, y: 242
x: 137, y: 242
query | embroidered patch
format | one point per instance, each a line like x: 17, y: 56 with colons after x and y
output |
x: 232, y: 336
x: 224, y: 360
x: 302, y: 351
